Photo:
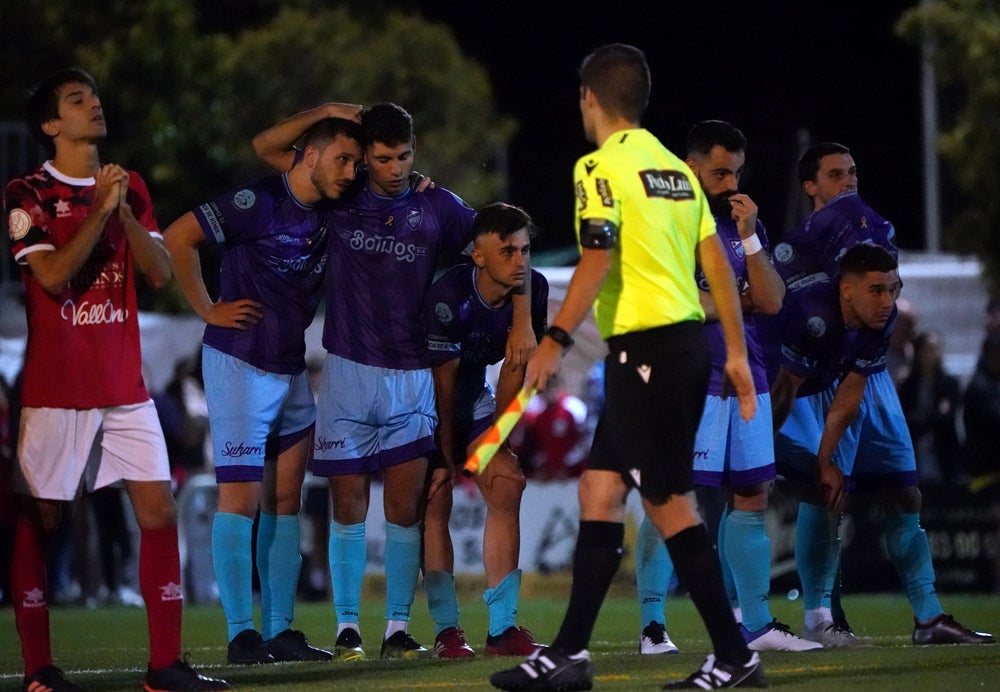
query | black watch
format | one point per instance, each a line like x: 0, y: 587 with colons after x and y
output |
x: 560, y: 336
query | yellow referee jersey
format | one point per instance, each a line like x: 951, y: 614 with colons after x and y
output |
x: 661, y: 213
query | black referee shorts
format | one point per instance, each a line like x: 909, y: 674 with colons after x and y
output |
x: 654, y: 392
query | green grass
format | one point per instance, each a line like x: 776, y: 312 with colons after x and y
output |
x: 105, y: 649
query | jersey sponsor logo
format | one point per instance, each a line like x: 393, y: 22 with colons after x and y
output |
x: 241, y: 450
x: 672, y: 185
x: 87, y: 313
x: 323, y: 444
x: 701, y: 454
x: 388, y: 245
x: 604, y: 192
x: 783, y: 252
x: 244, y: 199
x: 816, y: 326
x: 589, y: 166
x: 581, y: 196
x: 19, y: 223
x: 63, y: 209
x: 443, y: 313
x: 307, y: 264
x: 108, y: 275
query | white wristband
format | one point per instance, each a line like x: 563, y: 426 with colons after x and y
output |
x: 751, y: 245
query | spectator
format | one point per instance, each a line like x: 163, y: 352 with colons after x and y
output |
x: 981, y: 415
x: 901, y: 342
x: 183, y: 413
x: 930, y: 397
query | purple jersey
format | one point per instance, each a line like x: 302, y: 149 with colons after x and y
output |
x: 818, y: 346
x: 460, y: 324
x: 274, y: 252
x: 730, y: 237
x: 812, y: 251
x: 383, y: 256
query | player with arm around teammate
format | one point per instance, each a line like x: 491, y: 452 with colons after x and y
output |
x: 274, y: 234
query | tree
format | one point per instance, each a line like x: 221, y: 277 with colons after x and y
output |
x: 965, y: 35
x: 184, y: 94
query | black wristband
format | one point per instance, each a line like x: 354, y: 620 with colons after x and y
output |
x: 560, y: 336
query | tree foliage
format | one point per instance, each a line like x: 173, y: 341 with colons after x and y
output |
x: 186, y: 85
x: 965, y: 36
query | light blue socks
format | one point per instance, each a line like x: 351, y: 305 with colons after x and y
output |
x: 402, y: 567
x: 233, y: 562
x: 653, y: 572
x: 442, y: 601
x: 502, y: 603
x: 347, y: 555
x: 278, y: 564
x: 911, y: 556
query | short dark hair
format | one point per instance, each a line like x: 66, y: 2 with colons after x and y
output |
x: 703, y: 136
x: 503, y: 219
x: 618, y: 74
x: 324, y: 131
x: 809, y: 163
x: 387, y: 123
x: 867, y: 257
x: 42, y: 104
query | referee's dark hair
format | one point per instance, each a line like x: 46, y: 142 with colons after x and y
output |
x: 618, y: 74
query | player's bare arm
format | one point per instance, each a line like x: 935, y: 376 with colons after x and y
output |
x: 182, y: 238
x: 843, y: 410
x: 150, y: 254
x: 588, y: 277
x: 766, y: 289
x: 275, y: 146
x: 54, y: 269
x: 445, y: 382
x: 521, y: 339
x: 783, y: 391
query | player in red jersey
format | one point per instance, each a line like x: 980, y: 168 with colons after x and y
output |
x: 80, y: 230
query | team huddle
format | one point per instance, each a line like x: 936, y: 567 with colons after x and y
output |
x: 730, y: 362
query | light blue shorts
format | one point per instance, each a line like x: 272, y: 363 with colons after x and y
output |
x: 371, y: 417
x: 253, y: 414
x: 729, y: 451
x: 875, y: 451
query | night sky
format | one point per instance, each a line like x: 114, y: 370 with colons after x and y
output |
x: 777, y: 70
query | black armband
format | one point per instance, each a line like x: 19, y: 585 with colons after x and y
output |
x: 598, y: 234
x: 560, y: 336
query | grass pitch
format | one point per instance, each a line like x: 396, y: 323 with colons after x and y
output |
x: 105, y: 649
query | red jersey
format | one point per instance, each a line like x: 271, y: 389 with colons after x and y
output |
x: 83, y: 345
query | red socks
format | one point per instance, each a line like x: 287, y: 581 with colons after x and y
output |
x: 28, y: 587
x: 160, y: 584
